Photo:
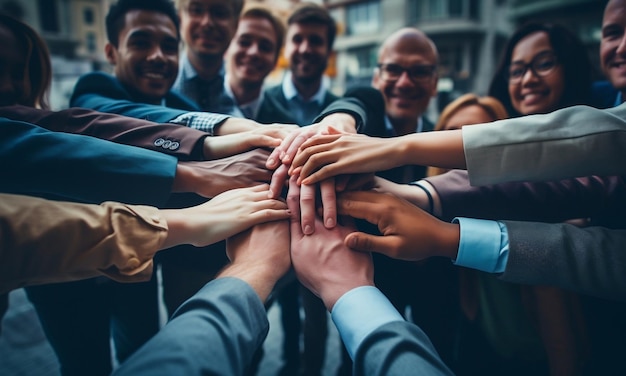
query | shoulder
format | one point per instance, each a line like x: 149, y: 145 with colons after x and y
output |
x: 99, y: 83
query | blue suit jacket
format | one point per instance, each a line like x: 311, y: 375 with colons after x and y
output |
x: 103, y: 92
x: 217, y: 331
x: 80, y: 168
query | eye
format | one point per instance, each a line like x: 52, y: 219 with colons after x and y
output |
x: 516, y: 71
x: 266, y: 46
x: 545, y: 64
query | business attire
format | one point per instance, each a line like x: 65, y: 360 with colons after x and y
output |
x: 116, y: 240
x: 86, y: 169
x: 217, y: 331
x: 180, y: 141
x: 103, y: 92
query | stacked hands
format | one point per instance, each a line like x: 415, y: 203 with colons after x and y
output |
x: 329, y: 256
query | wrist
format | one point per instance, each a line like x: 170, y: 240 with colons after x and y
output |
x: 333, y: 293
x: 340, y: 121
x: 260, y: 276
x: 448, y: 240
x: 235, y: 125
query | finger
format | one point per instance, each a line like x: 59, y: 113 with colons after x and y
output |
x: 307, y: 208
x: 295, y: 145
x: 329, y: 202
x: 278, y: 181
x: 293, y: 203
x: 341, y: 182
x: 360, y: 205
x: 274, y: 160
x: 363, y: 242
x: 269, y: 215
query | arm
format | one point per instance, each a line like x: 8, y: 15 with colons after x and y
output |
x: 81, y: 168
x: 40, y: 243
x: 588, y: 260
x: 575, y: 141
x: 343, y: 279
x: 218, y: 330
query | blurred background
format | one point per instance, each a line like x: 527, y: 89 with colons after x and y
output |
x: 469, y: 34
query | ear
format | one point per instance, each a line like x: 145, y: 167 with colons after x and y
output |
x: 434, y: 92
x: 111, y: 53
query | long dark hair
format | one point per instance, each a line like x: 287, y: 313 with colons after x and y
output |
x: 571, y: 54
x: 38, y: 70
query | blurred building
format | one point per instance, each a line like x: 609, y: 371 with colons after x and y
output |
x: 469, y: 34
x: 74, y: 33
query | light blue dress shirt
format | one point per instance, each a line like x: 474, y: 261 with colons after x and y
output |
x: 484, y: 245
x: 304, y: 111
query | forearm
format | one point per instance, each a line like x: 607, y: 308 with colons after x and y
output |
x: 440, y: 149
x: 235, y: 125
x: 41, y: 242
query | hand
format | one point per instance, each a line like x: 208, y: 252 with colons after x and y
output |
x: 225, y: 215
x: 326, y: 156
x: 259, y: 256
x: 409, y: 233
x: 210, y: 178
x: 322, y: 261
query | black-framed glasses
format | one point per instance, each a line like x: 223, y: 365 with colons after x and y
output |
x: 541, y: 65
x: 417, y: 73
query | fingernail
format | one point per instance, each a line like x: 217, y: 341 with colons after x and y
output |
x: 308, y: 230
x: 282, y: 155
x: 270, y: 193
x: 330, y: 223
x: 352, y: 242
x: 271, y: 161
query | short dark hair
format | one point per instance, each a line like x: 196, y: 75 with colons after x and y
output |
x: 117, y: 13
x: 310, y: 13
x: 570, y: 53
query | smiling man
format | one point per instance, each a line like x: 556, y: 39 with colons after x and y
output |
x: 613, y: 47
x: 251, y: 57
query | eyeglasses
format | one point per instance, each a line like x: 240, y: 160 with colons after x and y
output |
x: 541, y: 65
x: 417, y: 73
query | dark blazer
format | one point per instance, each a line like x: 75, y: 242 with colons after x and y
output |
x: 80, y: 168
x: 277, y: 104
x: 603, y: 94
x: 601, y: 198
x: 184, y: 143
x: 103, y: 92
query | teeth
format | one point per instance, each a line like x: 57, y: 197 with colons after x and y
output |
x: 531, y: 97
x: 154, y: 75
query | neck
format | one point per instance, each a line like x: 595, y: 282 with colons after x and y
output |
x: 208, y: 67
x: 245, y: 93
x: 307, y: 89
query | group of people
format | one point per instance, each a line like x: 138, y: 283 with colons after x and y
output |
x: 510, y: 263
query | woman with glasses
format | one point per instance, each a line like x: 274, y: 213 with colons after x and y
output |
x: 530, y: 329
x: 544, y: 68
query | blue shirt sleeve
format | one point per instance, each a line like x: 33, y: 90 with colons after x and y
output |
x: 359, y: 312
x: 484, y: 245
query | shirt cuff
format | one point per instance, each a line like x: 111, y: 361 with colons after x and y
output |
x: 484, y: 245
x: 359, y: 312
x: 203, y: 121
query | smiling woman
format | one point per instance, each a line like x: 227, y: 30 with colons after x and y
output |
x: 544, y: 67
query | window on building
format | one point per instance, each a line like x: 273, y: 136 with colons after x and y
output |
x: 363, y: 18
x: 88, y: 16
x: 49, y: 15
x: 420, y: 10
x: 91, y: 42
x: 360, y: 64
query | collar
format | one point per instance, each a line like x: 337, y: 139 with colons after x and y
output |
x: 391, y: 132
x: 290, y: 91
x: 618, y: 100
x: 251, y: 109
x: 187, y: 72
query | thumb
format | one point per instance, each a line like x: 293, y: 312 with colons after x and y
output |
x: 360, y: 241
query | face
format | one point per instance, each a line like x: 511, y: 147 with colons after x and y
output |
x: 535, y: 94
x: 252, y: 54
x: 406, y: 99
x: 12, y: 69
x: 306, y: 49
x: 146, y: 58
x: 207, y: 26
x: 613, y: 44
x: 472, y: 114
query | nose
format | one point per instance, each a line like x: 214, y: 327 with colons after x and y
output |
x: 529, y: 76
x: 253, y: 49
x: 305, y: 46
x: 156, y: 54
x: 207, y: 19
x: 404, y: 80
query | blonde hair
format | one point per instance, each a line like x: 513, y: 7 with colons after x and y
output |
x: 493, y: 107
